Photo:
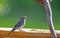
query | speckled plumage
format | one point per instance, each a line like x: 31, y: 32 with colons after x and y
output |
x: 20, y: 24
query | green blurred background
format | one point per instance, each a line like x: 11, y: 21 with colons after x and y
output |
x: 12, y: 10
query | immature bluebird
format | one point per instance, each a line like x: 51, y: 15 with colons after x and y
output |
x: 20, y: 24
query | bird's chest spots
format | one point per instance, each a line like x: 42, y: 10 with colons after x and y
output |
x: 24, y: 22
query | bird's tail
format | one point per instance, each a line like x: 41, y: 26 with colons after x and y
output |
x: 10, y: 32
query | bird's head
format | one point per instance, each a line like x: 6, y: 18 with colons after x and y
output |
x: 24, y: 17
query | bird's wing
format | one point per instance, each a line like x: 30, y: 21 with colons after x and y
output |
x: 18, y: 25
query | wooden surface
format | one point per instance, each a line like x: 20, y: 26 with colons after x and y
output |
x: 4, y: 34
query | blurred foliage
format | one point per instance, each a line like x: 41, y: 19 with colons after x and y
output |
x: 33, y: 10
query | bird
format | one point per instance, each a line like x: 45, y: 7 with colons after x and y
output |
x: 20, y: 24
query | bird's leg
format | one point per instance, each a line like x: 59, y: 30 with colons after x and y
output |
x: 20, y: 29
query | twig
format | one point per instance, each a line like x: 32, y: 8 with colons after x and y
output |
x: 49, y: 18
